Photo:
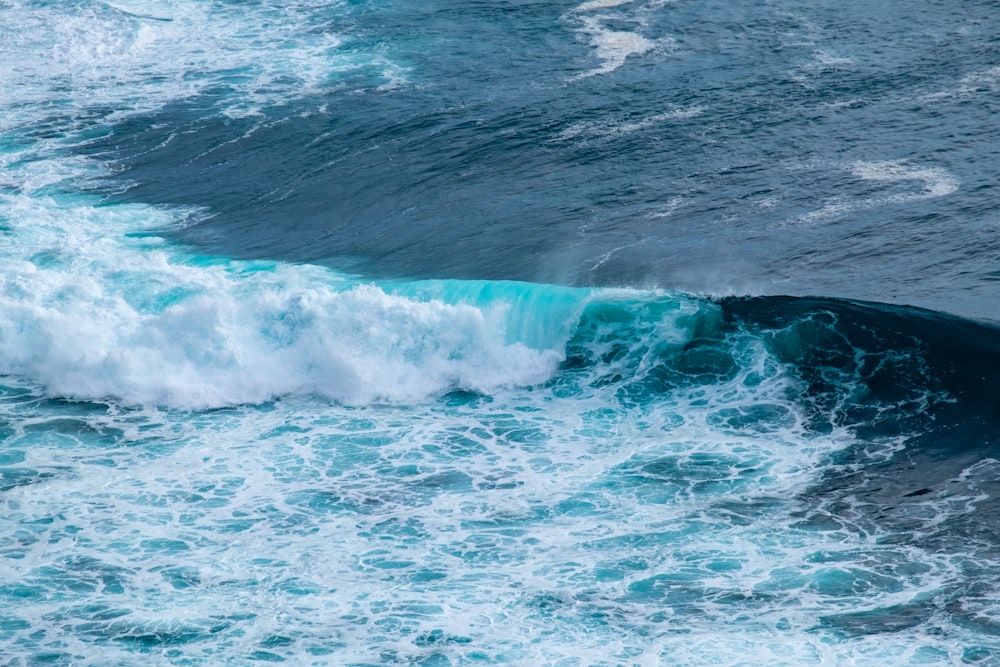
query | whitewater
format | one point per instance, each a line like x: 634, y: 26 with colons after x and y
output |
x: 623, y: 332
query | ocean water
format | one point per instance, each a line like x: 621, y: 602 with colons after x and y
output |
x: 371, y: 332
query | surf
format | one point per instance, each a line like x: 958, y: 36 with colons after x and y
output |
x: 377, y: 333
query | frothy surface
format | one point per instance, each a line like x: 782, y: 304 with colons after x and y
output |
x: 393, y: 333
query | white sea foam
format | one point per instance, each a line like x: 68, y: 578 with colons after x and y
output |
x: 611, y: 46
x: 89, y: 314
x: 827, y: 59
x: 614, y: 47
x: 601, y: 4
x: 614, y: 127
x: 935, y: 181
x: 973, y: 84
x: 110, y: 59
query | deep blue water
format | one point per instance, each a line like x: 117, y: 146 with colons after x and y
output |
x: 604, y: 333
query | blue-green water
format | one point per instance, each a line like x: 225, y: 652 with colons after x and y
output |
x: 602, y: 333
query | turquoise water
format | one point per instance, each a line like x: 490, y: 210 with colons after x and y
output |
x: 614, y: 333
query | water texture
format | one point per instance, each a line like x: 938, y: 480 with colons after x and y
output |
x: 606, y: 333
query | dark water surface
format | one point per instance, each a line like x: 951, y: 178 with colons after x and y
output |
x: 613, y: 333
x: 778, y: 149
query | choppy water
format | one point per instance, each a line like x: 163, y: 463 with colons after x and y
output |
x: 498, y: 333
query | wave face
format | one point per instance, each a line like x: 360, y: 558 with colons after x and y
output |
x: 419, y: 334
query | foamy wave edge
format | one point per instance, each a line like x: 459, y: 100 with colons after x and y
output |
x: 90, y: 312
